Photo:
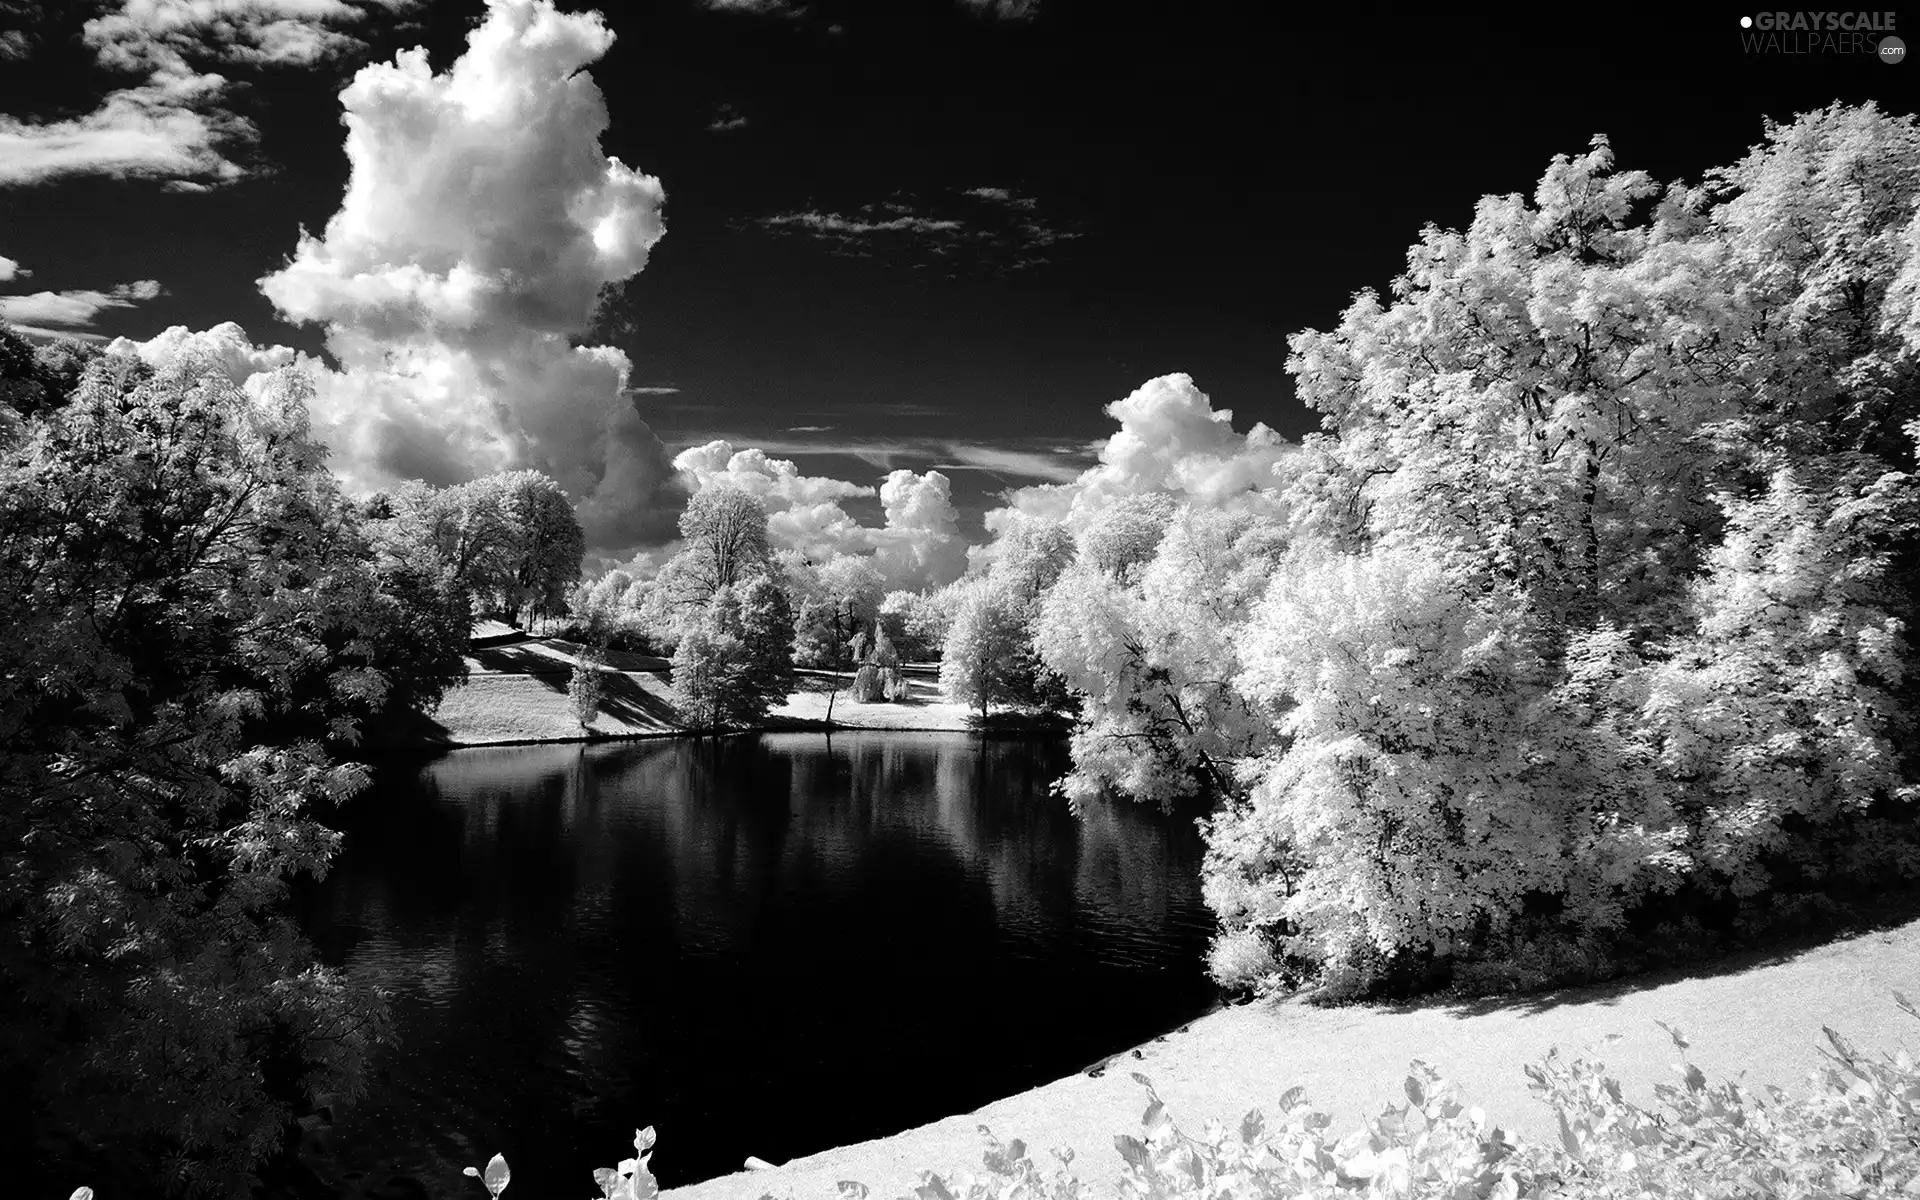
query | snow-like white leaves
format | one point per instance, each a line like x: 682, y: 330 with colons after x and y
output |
x: 1153, y: 648
x: 1588, y: 593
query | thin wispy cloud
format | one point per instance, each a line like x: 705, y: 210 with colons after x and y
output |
x: 758, y: 8
x: 989, y: 228
x: 1000, y: 195
x: 834, y: 225
x: 1004, y: 10
x: 651, y: 389
x: 726, y: 119
x: 173, y: 120
x: 999, y: 10
x: 891, y: 408
x: 1047, y: 459
x: 884, y: 453
x: 70, y: 313
x: 1049, y: 464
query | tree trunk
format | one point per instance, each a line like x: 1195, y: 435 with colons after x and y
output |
x: 835, y: 693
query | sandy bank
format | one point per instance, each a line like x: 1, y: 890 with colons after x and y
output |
x: 1753, y: 1015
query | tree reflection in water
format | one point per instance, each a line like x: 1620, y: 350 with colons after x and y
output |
x: 763, y: 945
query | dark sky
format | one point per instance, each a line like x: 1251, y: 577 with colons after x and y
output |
x: 1204, y: 179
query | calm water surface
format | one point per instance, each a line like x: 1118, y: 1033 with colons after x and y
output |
x: 764, y: 946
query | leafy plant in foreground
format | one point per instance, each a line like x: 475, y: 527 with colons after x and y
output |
x: 631, y: 1180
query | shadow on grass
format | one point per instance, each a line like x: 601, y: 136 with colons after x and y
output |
x: 519, y: 659
x: 1859, y: 920
x: 626, y: 699
x: 619, y: 660
x: 1017, y: 721
x: 403, y: 732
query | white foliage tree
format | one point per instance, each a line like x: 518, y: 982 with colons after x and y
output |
x: 1778, y: 709
x: 1601, y: 567
x: 839, y: 599
x: 980, y: 664
x: 1413, y: 803
x: 1153, y: 651
x: 735, y: 658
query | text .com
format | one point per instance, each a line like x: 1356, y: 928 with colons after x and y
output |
x: 1863, y: 33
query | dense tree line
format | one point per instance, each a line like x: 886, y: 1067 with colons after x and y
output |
x: 509, y: 541
x: 1585, y: 617
x: 198, y: 624
x: 738, y: 617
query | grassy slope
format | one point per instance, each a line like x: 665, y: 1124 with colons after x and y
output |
x: 1752, y: 1014
x: 518, y: 693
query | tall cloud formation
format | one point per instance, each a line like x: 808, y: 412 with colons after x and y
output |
x: 480, y: 223
x: 1171, y: 440
x: 919, y: 546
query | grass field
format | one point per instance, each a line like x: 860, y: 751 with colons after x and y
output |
x: 518, y: 693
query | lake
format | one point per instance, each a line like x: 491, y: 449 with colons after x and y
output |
x: 765, y: 945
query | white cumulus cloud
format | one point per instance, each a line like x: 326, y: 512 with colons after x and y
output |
x: 1171, y: 440
x: 480, y: 223
x: 10, y: 268
x: 226, y: 346
x: 754, y: 472
x: 919, y: 544
x: 803, y: 511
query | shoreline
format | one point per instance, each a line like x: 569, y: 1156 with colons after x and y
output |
x: 1755, y: 1015
x: 516, y: 695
